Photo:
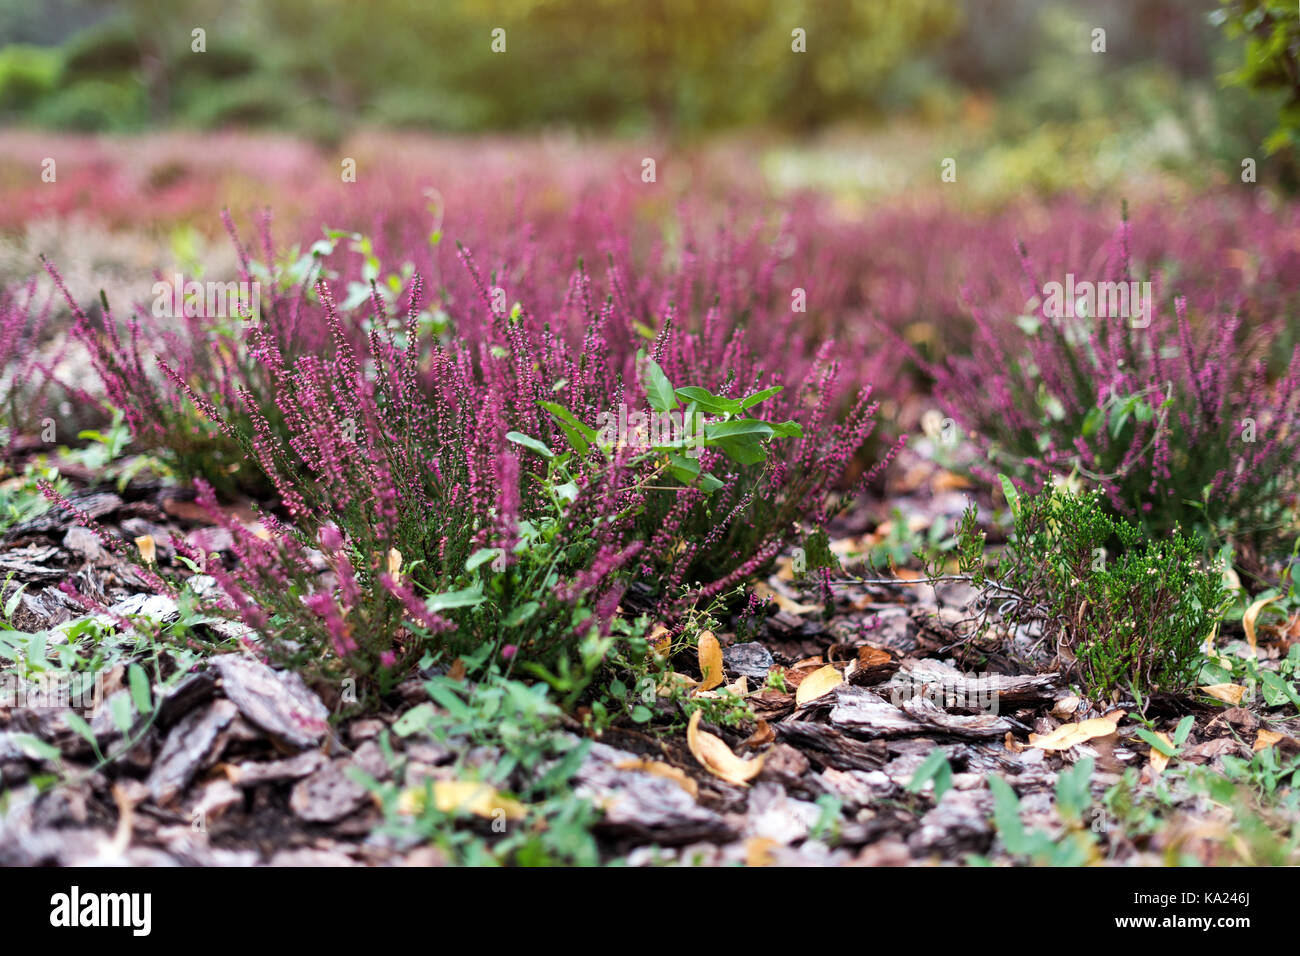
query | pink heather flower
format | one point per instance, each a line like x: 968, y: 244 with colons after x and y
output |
x: 508, y: 652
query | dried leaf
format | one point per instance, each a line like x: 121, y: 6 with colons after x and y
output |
x: 661, y: 769
x: 758, y: 851
x: 710, y: 654
x: 472, y: 796
x: 716, y: 757
x: 1228, y: 693
x: 818, y: 684
x: 148, y: 549
x: 761, y: 737
x: 1068, y: 735
x: 1065, y: 708
x: 1013, y: 745
x: 394, y: 562
x: 1267, y: 738
x: 661, y: 640
x: 1248, y: 620
x: 457, y: 670
x: 782, y: 602
x: 1158, y: 760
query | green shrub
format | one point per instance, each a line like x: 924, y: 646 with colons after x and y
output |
x: 1123, y: 611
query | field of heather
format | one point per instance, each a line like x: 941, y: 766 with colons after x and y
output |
x: 531, y: 478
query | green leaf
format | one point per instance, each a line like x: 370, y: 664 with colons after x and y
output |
x: 788, y: 429
x: 658, y: 390
x: 521, y: 613
x: 120, y: 709
x: 749, y: 401
x: 468, y: 597
x: 11, y: 605
x: 78, y: 724
x: 1156, y: 743
x: 414, y: 720
x: 1009, y: 490
x: 139, y: 683
x: 532, y: 443
x: 36, y: 747
x: 709, y: 483
x: 481, y: 557
x: 714, y: 404
x: 579, y: 434
x: 1006, y: 815
x: 1184, y: 728
x: 684, y: 469
x: 936, y: 768
x: 742, y: 451
x: 745, y: 429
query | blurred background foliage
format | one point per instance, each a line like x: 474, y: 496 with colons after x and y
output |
x: 1191, y: 86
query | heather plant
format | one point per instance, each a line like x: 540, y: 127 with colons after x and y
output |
x: 435, y: 525
x: 26, y: 383
x: 1174, y: 417
x: 1122, y: 612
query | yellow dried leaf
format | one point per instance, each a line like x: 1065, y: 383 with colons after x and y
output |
x: 148, y: 549
x: 394, y: 562
x: 1267, y: 738
x: 661, y: 640
x: 710, y: 653
x: 1228, y: 693
x: 471, y: 796
x: 758, y: 851
x: 1068, y: 735
x: 782, y: 602
x: 817, y: 684
x: 661, y: 769
x: 1252, y: 614
x: 716, y: 757
x: 1158, y: 760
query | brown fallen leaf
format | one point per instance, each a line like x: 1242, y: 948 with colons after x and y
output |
x: 661, y: 769
x: 716, y: 757
x: 799, y: 671
x: 1248, y: 621
x: 1013, y: 745
x: 457, y: 670
x: 761, y: 737
x: 1228, y: 693
x: 758, y: 851
x: 1158, y: 760
x: 1266, y: 738
x: 818, y: 684
x: 1068, y: 735
x: 710, y: 655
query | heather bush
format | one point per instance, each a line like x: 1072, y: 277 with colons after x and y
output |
x: 1175, y: 417
x: 1121, y: 611
x: 26, y: 384
x: 431, y: 488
